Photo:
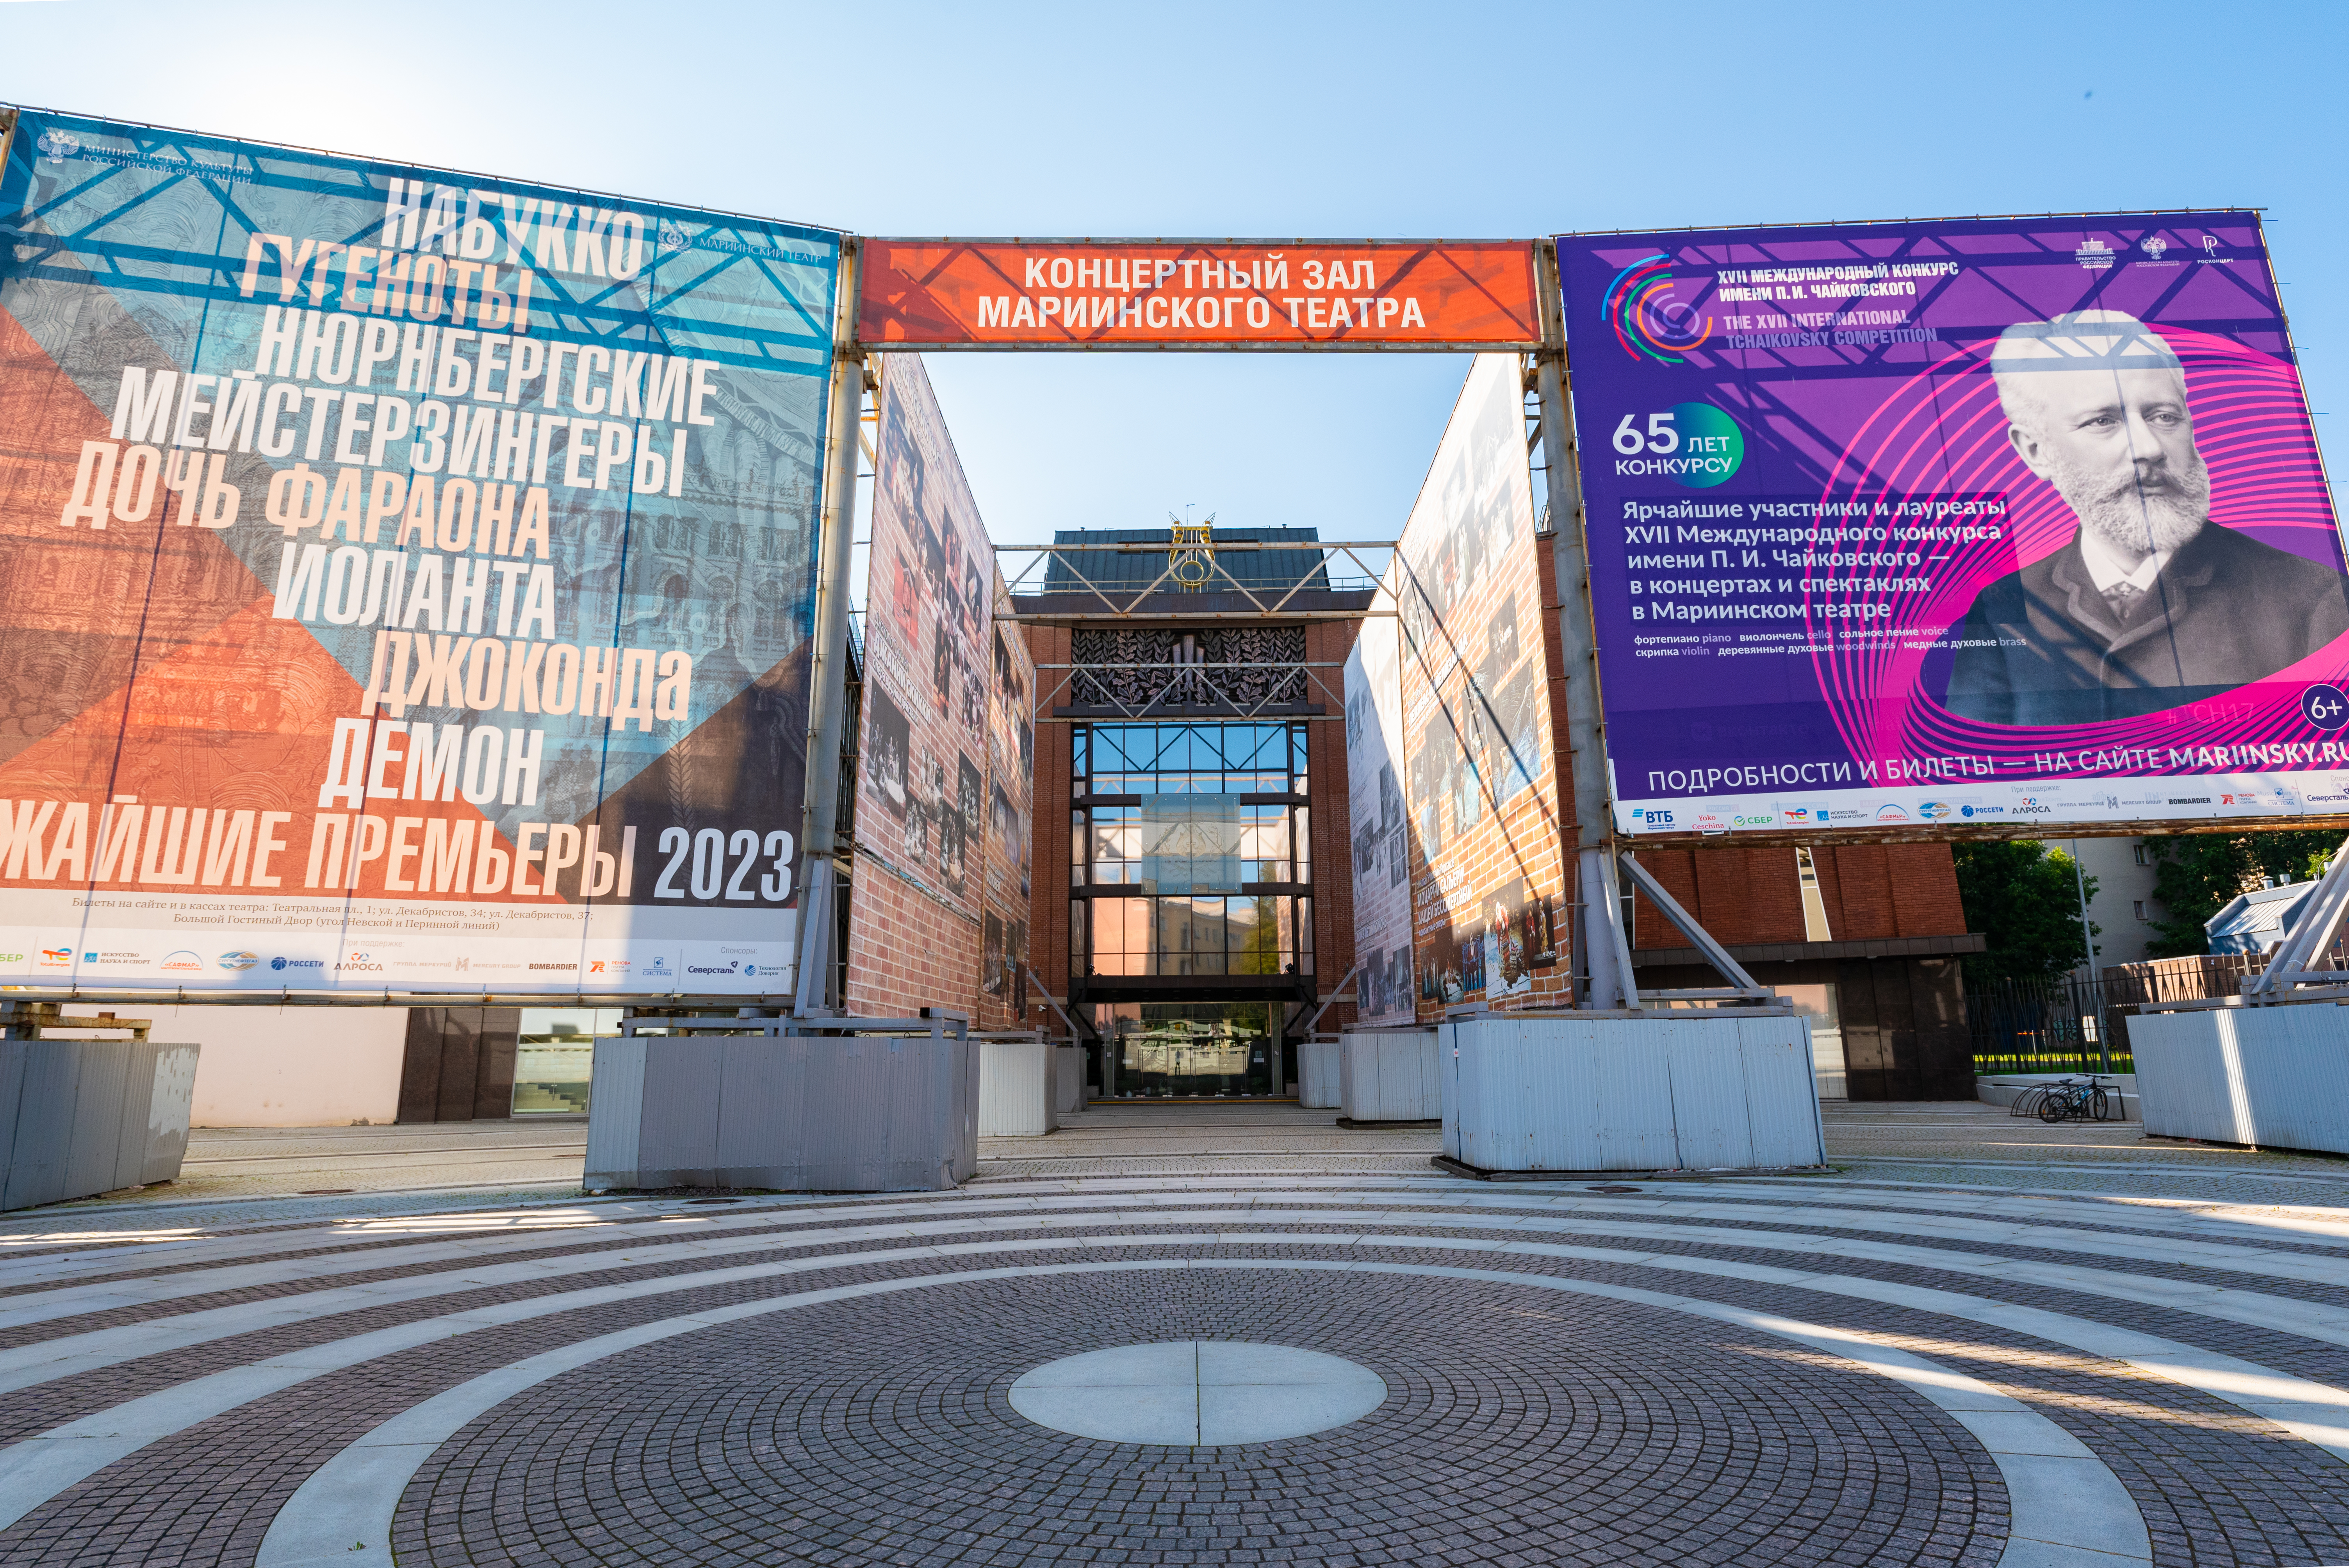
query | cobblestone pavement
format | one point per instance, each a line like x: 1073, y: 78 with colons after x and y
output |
x: 1848, y: 1368
x: 246, y: 1175
x: 227, y: 1163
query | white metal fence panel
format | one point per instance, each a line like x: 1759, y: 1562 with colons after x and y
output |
x: 1691, y: 1092
x: 2276, y: 1077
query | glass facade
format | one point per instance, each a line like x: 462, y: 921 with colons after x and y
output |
x: 554, y: 1058
x: 1190, y: 860
x: 1190, y: 850
x: 1156, y: 1050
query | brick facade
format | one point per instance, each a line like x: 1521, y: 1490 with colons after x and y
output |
x: 1048, y: 897
x: 1745, y: 896
x: 1329, y: 641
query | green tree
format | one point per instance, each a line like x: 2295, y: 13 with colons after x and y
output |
x: 2022, y: 897
x: 2198, y: 874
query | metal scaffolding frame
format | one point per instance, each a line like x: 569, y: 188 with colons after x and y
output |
x: 1602, y: 976
x: 1132, y: 607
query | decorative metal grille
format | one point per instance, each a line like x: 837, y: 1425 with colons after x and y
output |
x: 1242, y: 667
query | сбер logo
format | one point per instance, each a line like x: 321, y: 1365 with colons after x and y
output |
x: 1648, y: 321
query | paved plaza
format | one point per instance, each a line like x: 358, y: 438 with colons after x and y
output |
x: 1977, y: 1342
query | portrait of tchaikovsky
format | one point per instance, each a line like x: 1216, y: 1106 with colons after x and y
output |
x: 2151, y: 605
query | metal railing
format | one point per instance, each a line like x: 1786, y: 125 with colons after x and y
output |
x: 2045, y: 1027
x: 2067, y: 1025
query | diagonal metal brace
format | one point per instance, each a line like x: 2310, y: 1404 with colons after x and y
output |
x: 1337, y: 992
x: 2321, y: 918
x: 1076, y: 1035
x: 1685, y: 924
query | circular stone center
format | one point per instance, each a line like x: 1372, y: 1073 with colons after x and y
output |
x: 1191, y: 1392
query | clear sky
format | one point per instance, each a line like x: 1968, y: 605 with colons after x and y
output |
x: 1202, y: 119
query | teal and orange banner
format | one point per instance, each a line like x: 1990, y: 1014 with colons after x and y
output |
x: 408, y: 574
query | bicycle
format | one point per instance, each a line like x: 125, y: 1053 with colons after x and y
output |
x: 2073, y: 1099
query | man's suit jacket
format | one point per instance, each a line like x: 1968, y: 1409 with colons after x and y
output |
x: 2225, y: 610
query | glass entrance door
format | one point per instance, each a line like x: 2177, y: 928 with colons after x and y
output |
x: 1185, y: 1050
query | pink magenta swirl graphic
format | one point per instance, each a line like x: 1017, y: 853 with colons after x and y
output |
x: 1939, y: 442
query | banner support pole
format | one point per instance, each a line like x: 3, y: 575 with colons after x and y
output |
x: 828, y: 672
x: 1603, y: 957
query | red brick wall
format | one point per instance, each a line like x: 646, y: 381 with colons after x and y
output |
x: 909, y: 950
x: 1753, y: 895
x: 1048, y: 916
x: 1329, y: 641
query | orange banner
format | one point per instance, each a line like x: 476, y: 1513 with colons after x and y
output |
x: 1049, y: 294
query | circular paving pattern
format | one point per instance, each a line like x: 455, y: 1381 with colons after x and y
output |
x: 1356, y: 1370
x: 1197, y: 1393
x: 1560, y: 1429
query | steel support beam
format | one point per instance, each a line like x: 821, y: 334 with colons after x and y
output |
x: 1740, y: 983
x: 1337, y: 993
x: 2319, y: 919
x: 1076, y: 1035
x: 828, y: 672
x: 1604, y: 960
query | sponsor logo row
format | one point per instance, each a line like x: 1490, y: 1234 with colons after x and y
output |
x: 719, y: 965
x: 2172, y: 798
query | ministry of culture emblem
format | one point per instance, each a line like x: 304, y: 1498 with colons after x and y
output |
x: 57, y: 146
x: 2153, y: 245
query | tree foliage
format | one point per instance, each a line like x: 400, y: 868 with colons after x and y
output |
x: 2022, y: 896
x: 2198, y: 874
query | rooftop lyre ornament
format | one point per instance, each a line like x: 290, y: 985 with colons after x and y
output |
x: 1191, y: 560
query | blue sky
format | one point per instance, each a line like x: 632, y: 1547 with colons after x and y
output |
x: 1253, y: 120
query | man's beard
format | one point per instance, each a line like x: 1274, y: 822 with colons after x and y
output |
x: 2154, y: 514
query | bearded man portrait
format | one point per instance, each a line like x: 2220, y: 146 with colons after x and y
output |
x: 2151, y: 604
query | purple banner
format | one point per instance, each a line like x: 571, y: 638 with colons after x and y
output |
x: 1986, y: 522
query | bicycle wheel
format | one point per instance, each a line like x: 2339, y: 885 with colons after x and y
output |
x: 2053, y: 1107
x: 2101, y: 1105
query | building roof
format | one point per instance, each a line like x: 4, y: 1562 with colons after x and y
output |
x: 1276, y: 570
x: 2256, y: 921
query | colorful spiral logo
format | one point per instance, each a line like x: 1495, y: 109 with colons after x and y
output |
x: 1648, y: 321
